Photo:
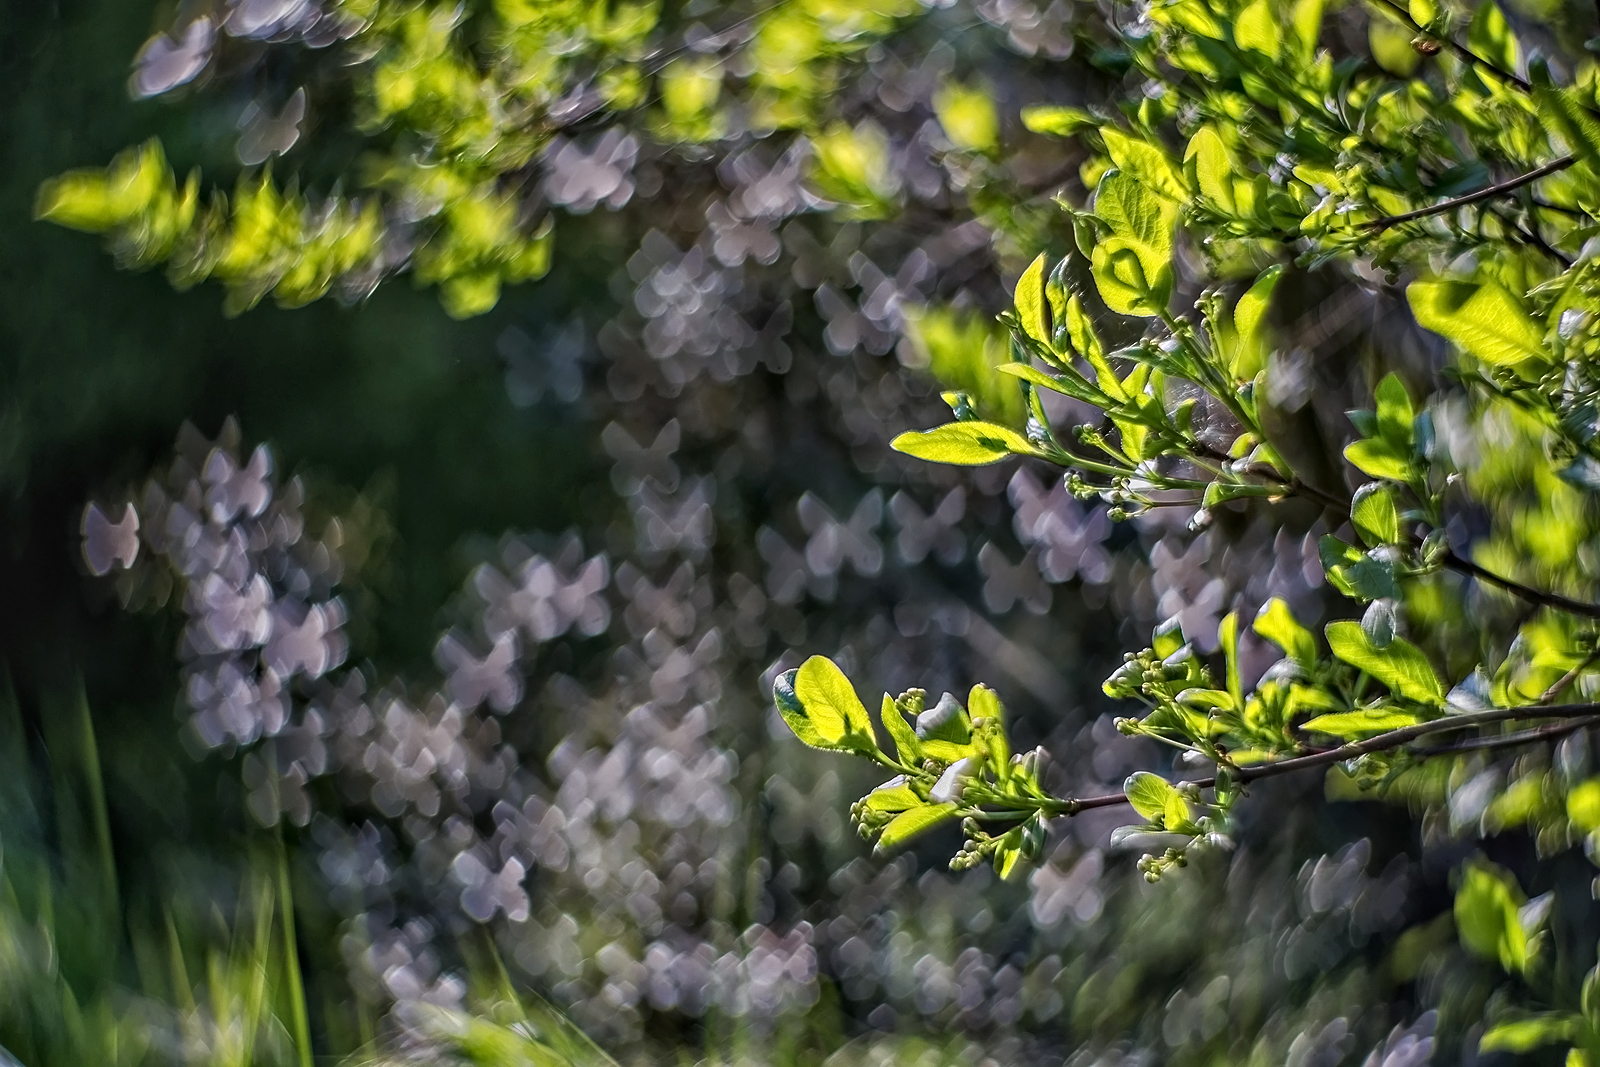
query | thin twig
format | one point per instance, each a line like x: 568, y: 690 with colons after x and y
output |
x: 1462, y: 51
x: 1585, y: 714
x: 1549, y: 695
x: 1533, y: 596
x: 1547, y: 732
x: 1486, y: 193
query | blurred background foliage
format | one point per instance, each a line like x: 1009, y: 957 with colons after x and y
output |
x: 558, y: 549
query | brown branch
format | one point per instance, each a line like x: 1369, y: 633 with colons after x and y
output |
x: 1584, y: 714
x: 1549, y: 695
x: 1462, y: 52
x: 1539, y: 597
x: 1547, y: 732
x: 1486, y: 193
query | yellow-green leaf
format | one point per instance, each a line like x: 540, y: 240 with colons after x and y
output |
x: 1211, y: 167
x: 1566, y: 112
x: 1536, y: 1031
x: 1481, y: 317
x: 1349, y: 725
x: 1277, y: 624
x: 1148, y: 794
x: 1374, y: 515
x: 1032, y: 311
x: 1583, y: 805
x: 1256, y: 29
x: 894, y: 795
x: 1490, y: 37
x: 968, y: 117
x: 1399, y: 665
x: 906, y: 744
x: 1146, y: 162
x: 1058, y: 121
x: 912, y: 822
x: 1486, y: 913
x: 1376, y: 457
x: 968, y: 444
x: 829, y: 698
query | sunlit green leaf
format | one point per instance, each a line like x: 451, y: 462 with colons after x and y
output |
x: 1536, y: 1031
x: 1401, y: 665
x: 1374, y: 515
x: 964, y: 443
x: 1277, y: 624
x: 910, y: 823
x: 1481, y: 317
x: 1257, y: 30
x: 1487, y: 919
x: 1058, y: 121
x: 1349, y: 725
x: 1148, y: 794
x: 1032, y: 311
x: 1490, y: 37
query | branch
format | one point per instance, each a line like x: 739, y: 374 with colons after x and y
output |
x: 1462, y: 52
x: 1584, y: 714
x: 1486, y: 193
x: 1533, y: 596
x: 1548, y: 732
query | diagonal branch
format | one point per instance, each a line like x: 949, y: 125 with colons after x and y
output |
x: 1547, y: 732
x: 1582, y: 716
x: 1486, y: 193
x: 1462, y: 565
x: 1461, y: 51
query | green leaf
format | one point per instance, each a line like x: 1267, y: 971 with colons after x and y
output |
x: 968, y: 117
x: 1058, y: 121
x: 1133, y: 267
x: 1353, y: 572
x: 1564, y: 111
x: 1487, y: 919
x: 1211, y: 168
x: 1119, y: 274
x: 829, y: 697
x: 1481, y: 317
x: 1401, y: 666
x: 963, y: 350
x: 1583, y: 805
x: 1146, y: 162
x: 821, y: 707
x: 1391, y: 47
x: 1008, y: 853
x: 967, y: 444
x: 1349, y: 725
x: 1394, y: 414
x: 1066, y: 384
x: 1306, y: 19
x: 1256, y: 29
x: 906, y: 744
x: 1423, y: 11
x: 1167, y: 637
x: 1378, y: 458
x: 909, y: 823
x: 1086, y: 342
x: 1249, y: 324
x: 1032, y: 311
x: 1490, y: 38
x: 1277, y: 624
x: 1149, y: 794
x: 894, y: 795
x: 984, y: 703
x: 1374, y: 515
x: 1536, y: 1031
x: 1228, y: 638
